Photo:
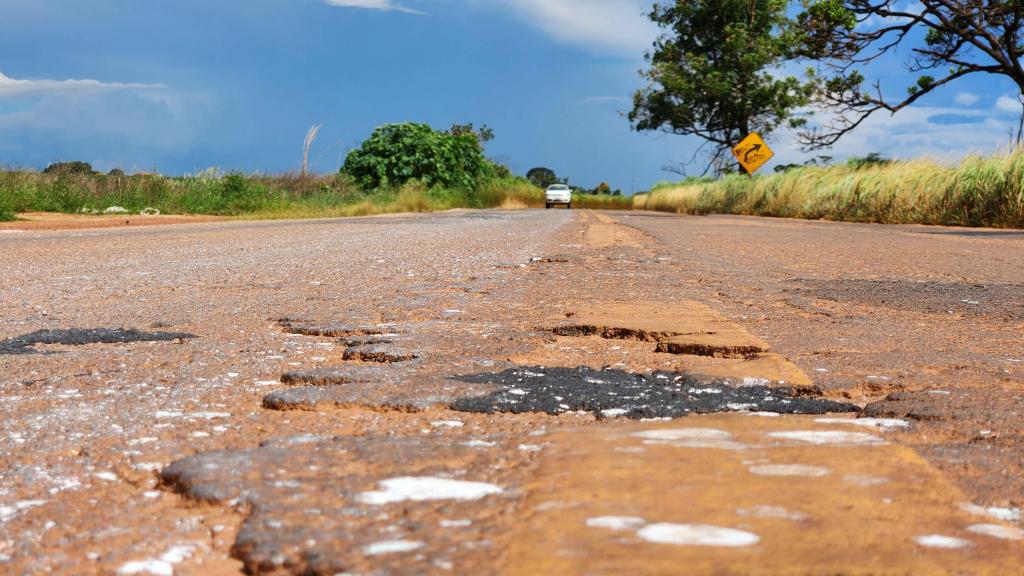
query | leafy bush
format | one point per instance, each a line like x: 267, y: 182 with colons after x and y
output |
x: 397, y: 153
x: 69, y: 168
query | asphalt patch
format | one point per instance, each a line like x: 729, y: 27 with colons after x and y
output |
x: 1005, y: 301
x: 996, y: 411
x: 81, y: 336
x: 616, y: 393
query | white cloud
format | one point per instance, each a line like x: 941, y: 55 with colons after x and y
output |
x: 940, y: 133
x: 617, y: 26
x: 1008, y: 105
x: 121, y: 129
x: 385, y: 5
x: 966, y: 98
x: 12, y: 87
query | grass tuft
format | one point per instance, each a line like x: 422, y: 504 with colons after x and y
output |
x: 602, y: 202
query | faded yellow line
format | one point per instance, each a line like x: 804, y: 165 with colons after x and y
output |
x: 629, y: 498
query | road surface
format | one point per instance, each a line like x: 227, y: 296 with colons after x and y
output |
x: 513, y: 392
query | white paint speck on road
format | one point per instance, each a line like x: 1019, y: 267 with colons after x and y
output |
x: 771, y: 512
x: 418, y: 489
x: 616, y: 522
x: 940, y: 541
x: 823, y: 437
x: 696, y: 535
x: 391, y: 547
x: 790, y: 470
x: 997, y: 531
x: 447, y: 424
x: 691, y: 438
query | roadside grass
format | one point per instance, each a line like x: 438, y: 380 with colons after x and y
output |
x: 602, y: 202
x: 6, y: 210
x: 980, y: 191
x: 252, y: 196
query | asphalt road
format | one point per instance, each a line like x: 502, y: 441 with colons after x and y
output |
x: 405, y: 395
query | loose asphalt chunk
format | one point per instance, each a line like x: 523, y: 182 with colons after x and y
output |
x: 616, y: 393
x: 367, y: 504
x: 82, y: 336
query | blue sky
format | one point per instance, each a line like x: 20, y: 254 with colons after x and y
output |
x: 177, y: 86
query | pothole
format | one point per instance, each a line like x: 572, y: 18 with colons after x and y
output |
x: 315, y: 504
x: 616, y: 393
x: 375, y: 344
x: 83, y: 336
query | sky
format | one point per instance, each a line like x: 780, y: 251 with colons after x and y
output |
x: 180, y: 86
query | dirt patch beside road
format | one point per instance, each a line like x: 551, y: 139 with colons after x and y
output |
x: 58, y: 221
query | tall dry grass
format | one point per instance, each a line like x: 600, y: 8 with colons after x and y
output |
x: 307, y: 145
x: 980, y: 191
x: 602, y: 202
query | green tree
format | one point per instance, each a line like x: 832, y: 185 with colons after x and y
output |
x: 709, y: 77
x: 951, y: 39
x: 397, y: 153
x: 75, y: 167
x: 483, y: 135
x: 543, y: 177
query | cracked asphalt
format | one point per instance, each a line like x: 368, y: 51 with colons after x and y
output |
x: 400, y: 394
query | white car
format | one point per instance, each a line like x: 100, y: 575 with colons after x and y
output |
x: 558, y: 194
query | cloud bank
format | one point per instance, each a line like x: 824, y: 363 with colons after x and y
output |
x: 385, y: 5
x: 10, y: 87
x: 614, y: 26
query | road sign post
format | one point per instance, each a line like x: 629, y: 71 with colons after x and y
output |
x: 752, y: 153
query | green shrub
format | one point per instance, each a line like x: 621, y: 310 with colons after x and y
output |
x: 75, y: 167
x: 397, y: 153
x: 867, y: 161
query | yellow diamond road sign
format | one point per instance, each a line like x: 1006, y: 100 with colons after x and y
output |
x: 752, y: 153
